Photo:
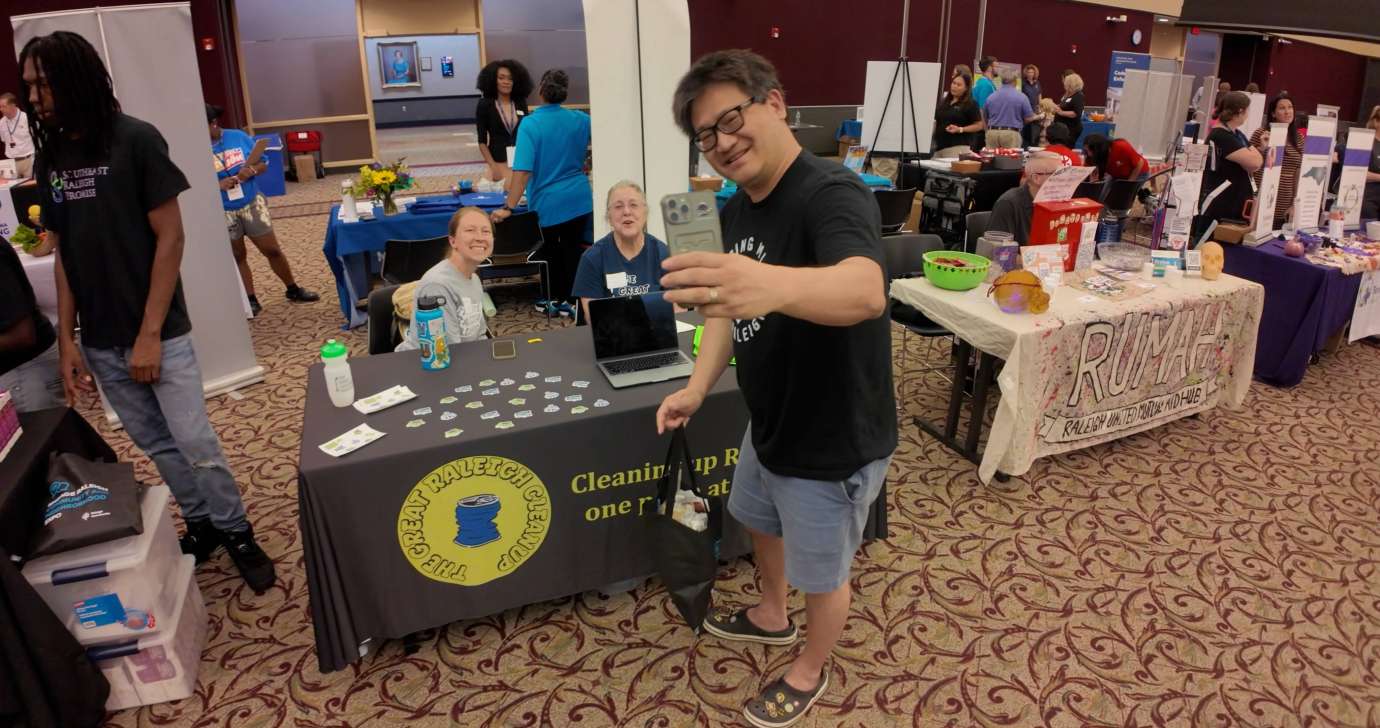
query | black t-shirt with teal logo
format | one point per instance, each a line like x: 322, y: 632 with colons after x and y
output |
x: 820, y: 397
x: 98, y: 203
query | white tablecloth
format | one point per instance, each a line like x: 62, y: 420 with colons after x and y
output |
x: 40, y: 274
x: 1090, y: 370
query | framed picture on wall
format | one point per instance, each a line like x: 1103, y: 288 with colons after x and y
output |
x: 426, y: 63
x: 398, y: 65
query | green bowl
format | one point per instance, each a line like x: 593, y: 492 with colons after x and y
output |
x: 949, y: 276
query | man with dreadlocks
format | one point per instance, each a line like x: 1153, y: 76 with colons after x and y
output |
x: 109, y: 195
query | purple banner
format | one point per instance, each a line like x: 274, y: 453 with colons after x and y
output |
x: 1316, y: 145
x: 1356, y: 157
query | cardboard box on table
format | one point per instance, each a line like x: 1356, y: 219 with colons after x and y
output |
x: 1068, y: 222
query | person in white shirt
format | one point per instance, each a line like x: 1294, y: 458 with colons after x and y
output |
x: 14, y: 135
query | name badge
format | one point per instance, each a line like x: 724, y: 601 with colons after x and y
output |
x: 520, y: 112
x: 512, y: 154
x: 615, y: 281
x: 235, y: 193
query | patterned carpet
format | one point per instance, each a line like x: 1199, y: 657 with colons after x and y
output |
x: 1220, y: 571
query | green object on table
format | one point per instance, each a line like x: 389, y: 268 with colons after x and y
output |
x: 949, y: 276
x: 25, y: 237
x: 695, y: 349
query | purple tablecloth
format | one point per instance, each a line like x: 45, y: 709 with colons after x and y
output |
x: 1304, y: 305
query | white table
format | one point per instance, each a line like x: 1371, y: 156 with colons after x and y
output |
x: 1090, y: 370
x: 40, y: 274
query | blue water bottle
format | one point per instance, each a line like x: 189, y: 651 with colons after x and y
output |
x: 430, y: 322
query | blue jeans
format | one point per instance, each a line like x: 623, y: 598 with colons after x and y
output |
x: 36, y: 384
x: 167, y: 420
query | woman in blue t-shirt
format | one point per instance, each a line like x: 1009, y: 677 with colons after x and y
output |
x: 627, y: 261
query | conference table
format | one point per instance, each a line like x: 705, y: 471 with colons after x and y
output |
x: 1305, y: 304
x: 1091, y: 369
x: 350, y: 246
x: 563, y: 463
x: 41, y: 274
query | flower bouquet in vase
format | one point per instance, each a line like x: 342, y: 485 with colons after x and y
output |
x: 380, y: 182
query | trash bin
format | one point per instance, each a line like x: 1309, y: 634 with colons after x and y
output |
x: 271, y: 182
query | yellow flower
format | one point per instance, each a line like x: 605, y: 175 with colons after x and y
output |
x: 385, y: 177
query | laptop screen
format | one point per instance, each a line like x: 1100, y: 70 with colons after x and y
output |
x: 632, y: 325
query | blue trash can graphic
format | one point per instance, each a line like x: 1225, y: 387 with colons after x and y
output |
x: 474, y: 517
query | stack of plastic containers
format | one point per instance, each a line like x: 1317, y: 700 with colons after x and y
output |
x: 135, y: 606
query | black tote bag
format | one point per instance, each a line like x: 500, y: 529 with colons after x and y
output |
x: 89, y: 502
x: 686, y: 560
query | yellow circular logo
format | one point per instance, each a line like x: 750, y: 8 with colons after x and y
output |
x: 474, y: 520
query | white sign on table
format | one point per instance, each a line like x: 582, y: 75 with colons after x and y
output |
x: 9, y: 217
x: 1351, y: 188
x: 1317, y: 163
x: 1061, y: 185
x: 1269, y: 180
x: 1365, y: 318
x: 1186, y: 184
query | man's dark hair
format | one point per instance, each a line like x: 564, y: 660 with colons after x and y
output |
x: 985, y: 63
x: 9, y: 98
x: 1059, y: 134
x: 487, y: 82
x: 83, y: 97
x: 748, y: 71
x: 554, y: 86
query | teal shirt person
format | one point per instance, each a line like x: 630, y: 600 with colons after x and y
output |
x: 983, y: 88
x: 551, y: 146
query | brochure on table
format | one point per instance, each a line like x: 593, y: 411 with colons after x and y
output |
x: 1186, y: 185
x: 1269, y: 180
x: 1351, y: 187
x: 1313, y: 172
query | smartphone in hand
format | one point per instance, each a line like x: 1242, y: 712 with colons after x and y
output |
x: 692, y: 222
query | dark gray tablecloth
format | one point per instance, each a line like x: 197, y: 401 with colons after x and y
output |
x: 362, y: 584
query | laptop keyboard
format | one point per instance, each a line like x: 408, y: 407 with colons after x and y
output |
x: 643, y: 363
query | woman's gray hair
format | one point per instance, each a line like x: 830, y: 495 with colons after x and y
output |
x: 623, y: 184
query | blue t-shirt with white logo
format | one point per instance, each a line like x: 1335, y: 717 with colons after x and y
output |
x: 230, y: 154
x: 605, y: 273
x: 551, y: 145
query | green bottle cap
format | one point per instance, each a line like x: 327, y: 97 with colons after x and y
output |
x: 333, y: 349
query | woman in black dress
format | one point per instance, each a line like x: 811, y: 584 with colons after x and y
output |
x: 505, y: 86
x: 1070, y: 112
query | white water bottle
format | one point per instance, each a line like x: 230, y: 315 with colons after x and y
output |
x: 339, y: 383
x: 348, y: 213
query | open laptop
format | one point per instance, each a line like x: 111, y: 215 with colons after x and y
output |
x: 635, y: 340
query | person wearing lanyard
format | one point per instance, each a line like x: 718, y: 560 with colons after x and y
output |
x: 14, y: 135
x: 1030, y: 86
x: 1227, y: 180
x: 246, y: 210
x: 549, y: 163
x: 1070, y: 111
x: 505, y: 86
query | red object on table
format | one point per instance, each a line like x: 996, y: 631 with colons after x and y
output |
x: 1063, y: 223
x: 303, y: 142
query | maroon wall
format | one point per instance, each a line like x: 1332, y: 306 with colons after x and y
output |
x: 1315, y: 75
x: 217, y: 67
x: 824, y: 46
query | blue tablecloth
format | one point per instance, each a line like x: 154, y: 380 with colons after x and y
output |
x: 1105, y: 128
x: 1304, y: 305
x: 349, y: 244
x: 849, y: 128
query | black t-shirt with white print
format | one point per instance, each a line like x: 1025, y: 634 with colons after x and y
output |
x: 98, y: 203
x: 820, y: 397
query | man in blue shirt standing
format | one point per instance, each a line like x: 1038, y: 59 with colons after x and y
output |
x: 985, y: 85
x: 549, y: 163
x: 1007, y: 112
x: 246, y: 210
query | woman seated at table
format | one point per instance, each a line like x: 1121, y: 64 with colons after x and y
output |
x: 1231, y: 160
x: 1059, y: 143
x: 456, y: 280
x: 627, y: 261
x: 957, y: 119
x: 1281, y: 111
x: 1114, y: 158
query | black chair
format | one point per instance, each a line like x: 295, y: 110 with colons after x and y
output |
x: 405, y: 261
x: 516, y: 241
x: 905, y: 259
x: 383, y: 330
x: 1095, y: 191
x: 895, y: 206
x: 976, y: 225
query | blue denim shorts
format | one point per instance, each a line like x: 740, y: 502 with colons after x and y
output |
x: 820, y: 521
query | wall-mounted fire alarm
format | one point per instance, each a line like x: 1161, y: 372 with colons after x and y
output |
x: 775, y: 32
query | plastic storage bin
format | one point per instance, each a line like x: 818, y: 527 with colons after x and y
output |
x: 163, y: 666
x: 118, y: 589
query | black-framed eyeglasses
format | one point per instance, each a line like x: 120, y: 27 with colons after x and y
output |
x: 728, y: 122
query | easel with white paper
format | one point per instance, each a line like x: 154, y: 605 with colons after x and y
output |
x: 1351, y: 187
x: 1269, y: 181
x: 1313, y: 173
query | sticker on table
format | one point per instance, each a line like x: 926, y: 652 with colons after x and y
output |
x: 553, y: 395
x: 490, y: 392
x: 527, y: 387
x: 579, y: 384
x: 415, y: 423
x: 575, y: 398
x: 463, y: 389
x: 504, y: 425
x: 517, y: 401
x: 578, y: 409
x: 552, y: 380
x: 447, y: 416
x: 453, y: 432
x: 531, y: 375
x: 383, y: 400
x: 487, y: 383
x: 601, y: 403
x: 353, y: 440
x: 491, y: 414
x: 421, y: 411
x: 551, y: 409
x: 474, y: 405
x: 522, y: 414
x: 506, y: 382
x: 449, y: 399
